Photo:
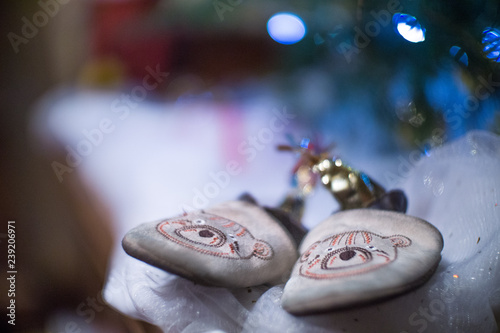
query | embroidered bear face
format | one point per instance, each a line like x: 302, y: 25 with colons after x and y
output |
x: 350, y: 253
x: 214, y: 235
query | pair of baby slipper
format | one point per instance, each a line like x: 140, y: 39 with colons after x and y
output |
x: 353, y: 257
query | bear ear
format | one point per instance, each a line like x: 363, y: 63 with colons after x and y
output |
x: 400, y: 241
x: 262, y: 250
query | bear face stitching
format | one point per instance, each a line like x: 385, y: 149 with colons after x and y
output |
x: 350, y: 253
x: 214, y: 235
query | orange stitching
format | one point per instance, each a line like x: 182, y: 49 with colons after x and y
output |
x: 333, y: 259
x: 314, y: 263
x: 335, y: 240
x: 350, y: 238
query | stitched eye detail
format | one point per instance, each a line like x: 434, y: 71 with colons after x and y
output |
x: 203, y: 235
x: 262, y: 250
x: 214, y: 235
x: 346, y: 257
x: 371, y: 248
x: 308, y: 252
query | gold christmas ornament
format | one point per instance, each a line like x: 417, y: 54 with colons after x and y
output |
x: 351, y: 188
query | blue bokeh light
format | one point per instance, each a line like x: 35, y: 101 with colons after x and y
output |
x: 305, y: 143
x: 286, y: 28
x: 491, y: 44
x: 408, y: 27
x: 459, y: 54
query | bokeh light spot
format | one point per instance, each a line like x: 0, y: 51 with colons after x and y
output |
x: 286, y: 28
x: 491, y: 44
x: 459, y: 54
x: 409, y: 27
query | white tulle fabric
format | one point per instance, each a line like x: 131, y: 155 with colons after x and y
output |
x: 462, y: 296
x: 158, y: 156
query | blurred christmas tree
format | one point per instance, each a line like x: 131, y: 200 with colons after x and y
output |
x: 426, y: 70
x: 431, y: 66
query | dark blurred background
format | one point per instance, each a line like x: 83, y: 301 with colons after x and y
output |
x: 355, y: 55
